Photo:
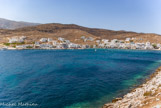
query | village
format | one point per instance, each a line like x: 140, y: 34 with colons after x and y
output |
x: 18, y: 42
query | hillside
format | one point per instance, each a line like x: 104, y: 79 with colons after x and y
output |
x: 8, y: 24
x: 74, y: 32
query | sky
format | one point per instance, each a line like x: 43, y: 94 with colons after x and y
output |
x: 130, y: 15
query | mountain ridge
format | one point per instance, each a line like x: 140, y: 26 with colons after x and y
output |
x: 9, y: 24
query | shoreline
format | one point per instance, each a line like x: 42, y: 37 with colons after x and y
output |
x: 146, y: 95
x: 80, y: 49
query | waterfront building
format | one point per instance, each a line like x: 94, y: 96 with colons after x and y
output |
x: 72, y: 45
x: 94, y: 46
x: 102, y: 45
x: 21, y: 46
x: 46, y: 46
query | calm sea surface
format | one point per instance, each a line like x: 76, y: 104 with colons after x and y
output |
x: 72, y: 78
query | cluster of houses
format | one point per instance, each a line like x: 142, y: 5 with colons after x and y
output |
x: 46, y: 43
x: 128, y: 44
x: 17, y: 39
x: 62, y: 43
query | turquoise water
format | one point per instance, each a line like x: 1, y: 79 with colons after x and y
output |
x: 72, y: 78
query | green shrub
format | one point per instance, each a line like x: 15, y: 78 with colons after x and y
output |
x: 155, y: 46
x: 13, y: 44
x: 29, y: 47
x: 7, y: 44
x: 148, y: 93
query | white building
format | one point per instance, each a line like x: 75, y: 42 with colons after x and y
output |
x: 37, y: 44
x: 54, y: 43
x: 50, y: 40
x: 83, y: 37
x: 127, y: 39
x: 114, y: 41
x: 122, y: 46
x: 16, y: 40
x: 21, y: 46
x: 147, y: 44
x: 43, y: 39
x: 67, y: 41
x: 23, y: 37
x: 105, y: 40
x: 98, y: 41
x: 83, y: 46
x: 90, y: 39
x: 73, y: 45
x: 94, y: 46
x: 46, y: 46
x: 61, y: 39
x: 158, y: 45
x: 140, y: 45
x: 62, y: 46
x: 102, y: 45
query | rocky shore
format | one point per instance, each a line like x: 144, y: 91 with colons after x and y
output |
x: 148, y: 95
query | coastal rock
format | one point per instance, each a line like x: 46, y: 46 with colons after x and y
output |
x: 110, y: 105
x: 146, y: 94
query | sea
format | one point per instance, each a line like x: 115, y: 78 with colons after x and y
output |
x: 86, y: 78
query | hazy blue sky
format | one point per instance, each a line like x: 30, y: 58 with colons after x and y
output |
x: 131, y: 15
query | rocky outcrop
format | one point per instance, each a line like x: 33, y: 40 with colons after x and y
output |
x: 147, y: 95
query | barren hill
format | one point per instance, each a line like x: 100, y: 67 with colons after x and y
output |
x: 74, y: 32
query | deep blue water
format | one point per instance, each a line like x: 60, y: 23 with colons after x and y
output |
x: 72, y: 78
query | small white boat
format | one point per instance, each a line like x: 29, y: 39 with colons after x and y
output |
x: 3, y: 49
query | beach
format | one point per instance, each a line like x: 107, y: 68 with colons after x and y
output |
x: 148, y: 95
